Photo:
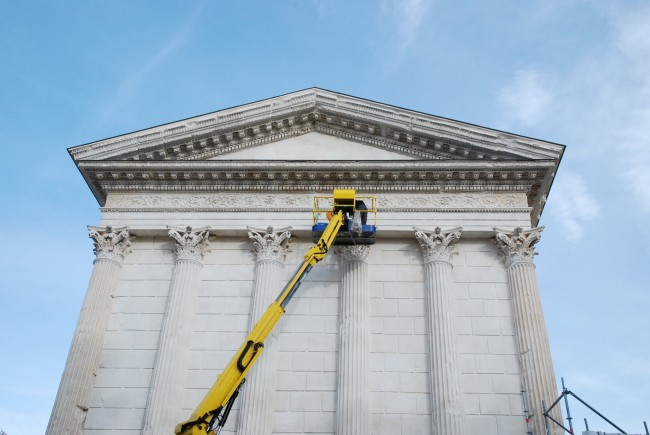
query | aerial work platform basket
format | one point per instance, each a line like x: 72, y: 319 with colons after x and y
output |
x: 360, y: 217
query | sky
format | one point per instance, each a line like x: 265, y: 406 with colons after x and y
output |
x: 572, y: 72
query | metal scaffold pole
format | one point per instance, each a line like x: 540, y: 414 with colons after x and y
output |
x: 566, y: 405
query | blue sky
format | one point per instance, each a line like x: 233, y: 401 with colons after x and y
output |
x: 572, y: 72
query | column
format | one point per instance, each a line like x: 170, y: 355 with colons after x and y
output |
x: 73, y: 397
x: 354, y: 338
x: 256, y: 411
x: 446, y: 405
x: 172, y: 359
x: 530, y: 329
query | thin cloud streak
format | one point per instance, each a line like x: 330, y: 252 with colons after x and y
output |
x: 526, y: 101
x: 405, y: 19
x: 410, y: 15
x: 633, y: 45
x: 129, y: 87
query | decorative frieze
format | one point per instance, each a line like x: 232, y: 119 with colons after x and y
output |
x: 487, y: 201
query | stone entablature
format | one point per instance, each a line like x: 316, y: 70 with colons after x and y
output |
x: 534, y: 178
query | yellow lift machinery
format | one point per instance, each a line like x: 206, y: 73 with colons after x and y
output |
x: 346, y: 224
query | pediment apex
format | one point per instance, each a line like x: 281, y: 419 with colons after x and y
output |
x: 412, y: 134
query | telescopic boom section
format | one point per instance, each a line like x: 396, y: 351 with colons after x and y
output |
x: 213, y: 410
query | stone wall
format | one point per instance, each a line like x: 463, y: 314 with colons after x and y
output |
x: 305, y: 400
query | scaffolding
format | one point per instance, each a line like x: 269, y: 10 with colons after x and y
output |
x: 564, y: 396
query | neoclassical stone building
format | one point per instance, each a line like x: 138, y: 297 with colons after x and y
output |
x: 437, y: 328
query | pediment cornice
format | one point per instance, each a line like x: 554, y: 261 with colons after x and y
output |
x: 400, y: 130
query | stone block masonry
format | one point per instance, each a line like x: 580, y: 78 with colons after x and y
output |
x: 304, y: 396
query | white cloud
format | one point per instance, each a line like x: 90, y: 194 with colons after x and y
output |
x: 410, y: 17
x: 572, y: 205
x: 633, y: 35
x: 599, y: 103
x: 405, y: 16
x: 324, y: 8
x: 527, y: 98
x: 609, y: 376
x: 632, y: 67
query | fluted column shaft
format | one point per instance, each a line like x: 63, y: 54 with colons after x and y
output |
x: 530, y: 329
x: 446, y: 405
x: 73, y: 398
x: 172, y: 359
x: 354, y: 337
x: 256, y: 413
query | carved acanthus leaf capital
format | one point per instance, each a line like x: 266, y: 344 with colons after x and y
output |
x: 191, y: 243
x: 110, y: 242
x: 270, y: 243
x: 518, y: 245
x: 437, y: 245
x: 353, y: 253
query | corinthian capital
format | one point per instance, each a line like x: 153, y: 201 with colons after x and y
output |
x: 518, y: 245
x: 437, y: 245
x: 270, y: 243
x: 110, y: 242
x: 191, y: 243
x: 353, y: 253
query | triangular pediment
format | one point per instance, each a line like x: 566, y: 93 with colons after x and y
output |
x: 315, y: 146
x: 316, y: 140
x: 235, y: 132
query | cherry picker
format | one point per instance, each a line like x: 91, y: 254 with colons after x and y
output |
x: 347, y: 225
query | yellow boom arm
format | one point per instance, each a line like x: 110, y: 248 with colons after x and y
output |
x: 215, y: 406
